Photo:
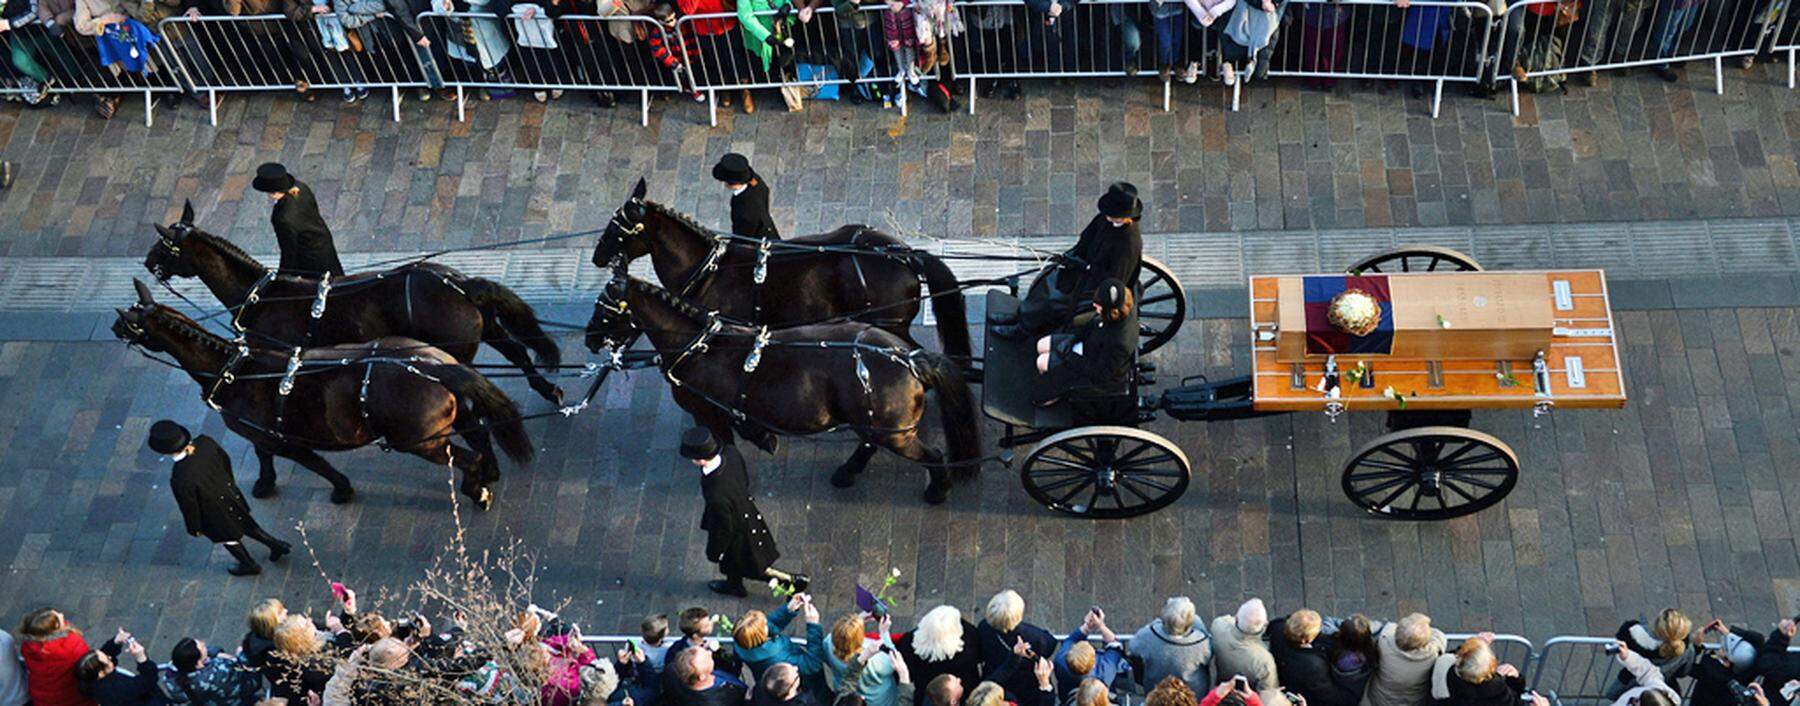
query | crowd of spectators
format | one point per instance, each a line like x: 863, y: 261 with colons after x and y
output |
x: 1244, y: 659
x: 543, y: 46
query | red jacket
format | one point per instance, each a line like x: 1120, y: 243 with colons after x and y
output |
x: 50, y: 670
x: 713, y: 26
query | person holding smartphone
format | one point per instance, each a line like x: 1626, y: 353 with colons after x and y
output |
x: 1648, y: 686
x: 1233, y: 692
x: 98, y: 676
x: 1779, y: 668
x: 1721, y: 673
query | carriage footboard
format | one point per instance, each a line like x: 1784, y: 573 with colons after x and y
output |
x: 1200, y: 399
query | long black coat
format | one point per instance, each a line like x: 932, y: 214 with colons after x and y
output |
x: 964, y: 665
x: 1307, y: 670
x: 737, y: 539
x: 750, y: 212
x: 1105, y: 360
x: 208, y: 494
x: 303, y: 236
x: 1102, y: 252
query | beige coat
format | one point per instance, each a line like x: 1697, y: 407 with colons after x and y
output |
x: 88, y: 11
x: 1402, y: 677
x: 1237, y: 653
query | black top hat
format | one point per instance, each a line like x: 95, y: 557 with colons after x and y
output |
x: 698, y: 444
x: 272, y: 178
x: 167, y: 437
x: 1111, y: 294
x: 1121, y: 201
x: 733, y: 168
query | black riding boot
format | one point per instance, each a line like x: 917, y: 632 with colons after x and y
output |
x: 246, y: 566
x: 729, y: 586
x: 277, y: 548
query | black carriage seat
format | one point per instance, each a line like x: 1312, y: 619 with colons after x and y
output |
x: 1010, y: 377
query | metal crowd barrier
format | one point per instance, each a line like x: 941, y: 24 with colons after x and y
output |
x: 1549, y: 39
x: 54, y: 60
x: 1578, y: 670
x: 725, y: 63
x: 327, y: 52
x: 586, y: 53
x: 1441, y: 41
x: 1787, y: 38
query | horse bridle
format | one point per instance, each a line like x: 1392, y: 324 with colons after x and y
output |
x: 168, y: 244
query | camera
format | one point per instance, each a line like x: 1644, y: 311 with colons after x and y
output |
x: 1741, y: 694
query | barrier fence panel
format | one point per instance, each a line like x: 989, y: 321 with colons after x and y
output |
x: 1544, y: 41
x: 48, y: 61
x: 1508, y: 649
x: 599, y: 56
x: 1428, y: 40
x: 334, y: 54
x: 1787, y: 38
x: 828, y: 48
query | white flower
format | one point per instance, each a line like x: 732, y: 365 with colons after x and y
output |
x: 774, y: 584
x: 896, y: 573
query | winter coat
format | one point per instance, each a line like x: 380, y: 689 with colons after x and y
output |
x: 898, y: 26
x: 1450, y: 689
x: 874, y: 681
x: 50, y: 669
x: 757, y: 31
x: 1217, y: 9
x: 781, y: 648
x: 1647, y: 677
x: 750, y: 210
x: 1103, y: 252
x: 1306, y: 670
x: 88, y: 11
x: 936, y: 19
x: 12, y: 672
x: 1776, y: 665
x: 1109, y: 664
x: 964, y: 665
x: 1637, y: 638
x: 1107, y: 352
x: 208, y: 495
x: 255, y: 649
x: 223, y: 681
x: 1402, y: 677
x: 562, y: 681
x: 621, y: 30
x: 1187, y: 657
x: 119, y: 689
x: 303, y: 236
x: 293, y: 677
x: 1236, y: 653
x: 725, y: 691
x: 737, y: 539
x: 1001, y: 666
x: 1252, y: 27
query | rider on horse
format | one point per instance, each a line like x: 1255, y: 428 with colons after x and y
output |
x: 1110, y: 248
x: 749, y: 197
x: 300, y: 232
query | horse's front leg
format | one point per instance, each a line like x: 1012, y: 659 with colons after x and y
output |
x: 341, y: 492
x: 265, y: 477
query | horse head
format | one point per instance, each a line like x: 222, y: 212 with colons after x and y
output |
x: 165, y: 258
x: 622, y: 241
x: 133, y: 324
x: 611, y: 323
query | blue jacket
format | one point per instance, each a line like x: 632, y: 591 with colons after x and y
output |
x: 781, y: 648
x: 1109, y: 663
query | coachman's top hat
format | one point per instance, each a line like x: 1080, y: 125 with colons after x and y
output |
x: 1121, y: 201
x: 167, y: 437
x: 698, y: 444
x: 272, y: 178
x: 733, y: 168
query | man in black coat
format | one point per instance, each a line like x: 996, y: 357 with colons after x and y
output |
x: 749, y: 197
x: 1110, y: 247
x: 300, y: 232
x: 208, y: 495
x: 737, y: 539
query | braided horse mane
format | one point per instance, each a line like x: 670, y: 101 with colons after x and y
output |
x: 187, y: 328
x: 677, y: 216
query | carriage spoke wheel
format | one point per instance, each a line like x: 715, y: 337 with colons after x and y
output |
x: 1161, y: 305
x: 1105, y: 472
x: 1416, y: 258
x: 1431, y: 473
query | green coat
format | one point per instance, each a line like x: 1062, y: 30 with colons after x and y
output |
x: 757, y: 29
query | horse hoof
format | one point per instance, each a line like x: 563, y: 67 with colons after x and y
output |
x: 770, y: 444
x: 341, y: 495
x: 552, y: 393
x: 843, y: 477
x: 936, y: 494
x: 264, y: 489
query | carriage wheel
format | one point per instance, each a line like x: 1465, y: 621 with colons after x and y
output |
x: 1161, y: 305
x: 1105, y: 472
x: 1417, y: 258
x: 1431, y: 473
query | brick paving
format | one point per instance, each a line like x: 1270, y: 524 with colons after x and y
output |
x: 1633, y: 148
x: 1690, y: 497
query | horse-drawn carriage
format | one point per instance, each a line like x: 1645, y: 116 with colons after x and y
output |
x: 1448, y: 338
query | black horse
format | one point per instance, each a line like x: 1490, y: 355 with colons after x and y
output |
x: 880, y: 283
x: 343, y: 397
x: 426, y: 301
x: 801, y: 380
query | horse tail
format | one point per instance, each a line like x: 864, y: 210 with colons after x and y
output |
x: 491, y: 405
x: 947, y: 305
x: 956, y: 408
x: 499, y: 303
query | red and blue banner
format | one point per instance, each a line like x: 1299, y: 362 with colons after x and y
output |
x: 1322, y: 338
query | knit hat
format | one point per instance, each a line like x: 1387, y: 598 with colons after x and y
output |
x: 1252, y: 617
x: 733, y: 168
x: 1111, y: 294
x: 1121, y: 201
x: 272, y: 178
x: 698, y: 444
x: 1741, y: 652
x: 167, y: 437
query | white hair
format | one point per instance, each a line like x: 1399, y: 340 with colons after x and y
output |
x: 1006, y: 610
x: 1413, y: 632
x: 1477, y: 665
x: 939, y: 635
x: 1178, y: 616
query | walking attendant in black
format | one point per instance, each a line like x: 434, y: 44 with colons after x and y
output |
x: 208, y: 495
x: 737, y: 539
x: 749, y: 197
x: 1110, y: 248
x: 300, y: 232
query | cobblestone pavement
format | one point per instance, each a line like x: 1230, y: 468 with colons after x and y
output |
x: 1690, y: 497
x: 1633, y: 148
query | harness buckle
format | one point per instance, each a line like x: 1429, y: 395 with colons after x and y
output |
x: 293, y: 368
x: 756, y: 349
x: 318, y: 307
x: 762, y: 262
